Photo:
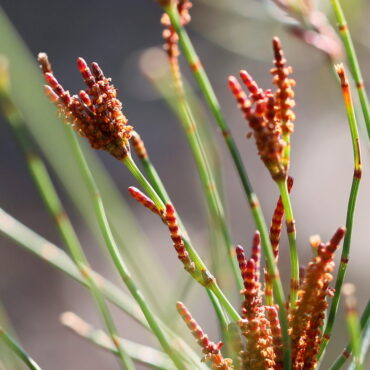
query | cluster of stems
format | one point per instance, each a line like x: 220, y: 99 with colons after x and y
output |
x: 265, y: 331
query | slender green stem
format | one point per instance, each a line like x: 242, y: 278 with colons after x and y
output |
x: 53, y: 204
x: 350, y: 212
x: 207, y: 90
x: 132, y: 167
x: 365, y: 326
x: 18, y: 350
x: 353, y: 323
x: 206, y: 176
x: 144, y: 354
x: 115, y: 254
x: 353, y: 61
x: 290, y: 223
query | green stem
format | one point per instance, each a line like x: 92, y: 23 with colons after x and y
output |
x: 353, y: 61
x: 364, y: 324
x: 294, y: 262
x: 207, y: 90
x: 18, y: 350
x: 349, y: 217
x: 53, y: 204
x: 353, y: 324
x: 206, y: 176
x: 115, y: 254
x: 132, y: 167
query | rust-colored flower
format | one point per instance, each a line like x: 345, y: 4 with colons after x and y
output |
x: 307, y: 317
x: 259, y: 352
x: 95, y: 113
x: 210, y: 349
x: 269, y: 114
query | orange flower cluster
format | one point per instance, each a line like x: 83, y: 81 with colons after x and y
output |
x: 95, y: 113
x: 307, y: 318
x: 260, y: 323
x: 269, y: 114
x: 210, y: 349
x: 259, y: 352
x: 169, y: 34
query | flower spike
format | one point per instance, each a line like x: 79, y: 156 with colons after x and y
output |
x: 95, y: 113
x: 210, y: 349
x: 269, y: 114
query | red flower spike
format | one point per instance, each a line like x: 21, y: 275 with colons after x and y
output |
x: 44, y: 63
x: 169, y: 34
x: 49, y: 92
x: 139, y: 146
x: 210, y: 349
x: 256, y: 253
x: 85, y: 72
x: 307, y: 318
x: 272, y: 315
x: 171, y: 221
x: 143, y: 199
x: 277, y: 221
x: 97, y: 72
x: 269, y: 114
x: 95, y: 113
x: 250, y: 83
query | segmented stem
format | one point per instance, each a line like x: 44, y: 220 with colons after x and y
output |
x: 350, y: 208
x: 353, y: 61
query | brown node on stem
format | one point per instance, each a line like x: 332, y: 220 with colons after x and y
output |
x: 269, y: 114
x: 307, y: 318
x: 210, y: 349
x: 95, y: 113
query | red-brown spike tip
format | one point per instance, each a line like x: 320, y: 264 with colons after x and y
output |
x: 81, y: 64
x: 52, y: 81
x: 50, y: 93
x: 233, y: 83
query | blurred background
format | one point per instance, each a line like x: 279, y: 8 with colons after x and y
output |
x: 120, y: 36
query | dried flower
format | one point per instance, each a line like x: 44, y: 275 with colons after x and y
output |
x: 210, y: 349
x: 95, y: 113
x: 270, y: 115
